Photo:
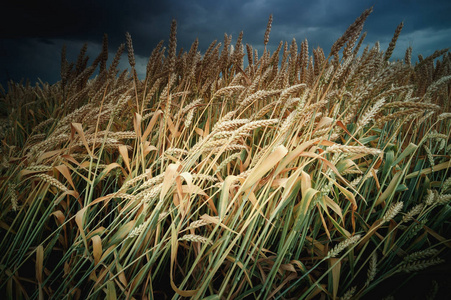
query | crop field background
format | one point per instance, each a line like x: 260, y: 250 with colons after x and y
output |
x: 230, y: 174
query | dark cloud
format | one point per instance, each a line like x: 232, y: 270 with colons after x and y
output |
x: 46, y: 41
x: 32, y: 33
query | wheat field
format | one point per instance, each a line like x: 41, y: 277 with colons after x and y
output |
x: 229, y: 174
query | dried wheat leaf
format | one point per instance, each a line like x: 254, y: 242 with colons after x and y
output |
x: 137, y: 124
x: 335, y: 265
x: 439, y: 167
x: 39, y: 263
x: 124, y: 153
x: 59, y: 216
x: 390, y: 190
x: 77, y: 127
x: 79, y: 221
x: 169, y: 175
x: 264, y: 166
x: 151, y: 124
x: 96, y: 248
x: 64, y: 170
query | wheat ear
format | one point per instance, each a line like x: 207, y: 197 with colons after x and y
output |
x: 195, y: 238
x: 392, y: 211
x: 342, y: 245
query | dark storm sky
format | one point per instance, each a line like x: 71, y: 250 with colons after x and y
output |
x: 33, y: 33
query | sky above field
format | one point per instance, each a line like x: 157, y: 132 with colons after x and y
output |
x: 32, y: 33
